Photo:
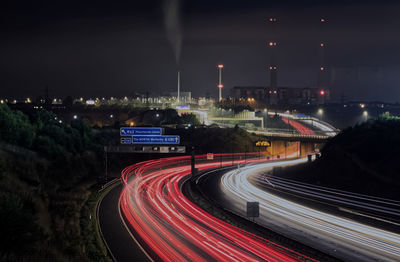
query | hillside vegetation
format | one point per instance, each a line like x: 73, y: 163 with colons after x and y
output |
x: 47, y: 172
x: 362, y: 159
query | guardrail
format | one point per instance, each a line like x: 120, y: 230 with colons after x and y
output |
x: 109, y: 183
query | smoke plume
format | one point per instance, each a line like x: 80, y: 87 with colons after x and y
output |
x: 172, y: 20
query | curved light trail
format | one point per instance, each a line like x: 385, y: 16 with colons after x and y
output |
x: 176, y: 229
x: 301, y: 128
x: 336, y: 235
x: 327, y: 195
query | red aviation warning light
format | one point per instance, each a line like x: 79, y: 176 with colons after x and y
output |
x: 322, y: 92
x: 220, y: 86
x: 220, y: 66
x: 272, y: 43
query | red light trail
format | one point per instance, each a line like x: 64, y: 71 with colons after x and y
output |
x: 175, y: 228
x: 301, y: 128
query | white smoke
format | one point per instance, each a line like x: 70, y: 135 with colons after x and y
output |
x: 172, y: 20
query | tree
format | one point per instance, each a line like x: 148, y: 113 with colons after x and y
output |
x: 189, y: 119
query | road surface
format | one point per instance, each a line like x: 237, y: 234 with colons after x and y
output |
x: 175, y: 229
x: 340, y: 237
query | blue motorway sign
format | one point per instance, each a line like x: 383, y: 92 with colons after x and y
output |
x: 126, y: 140
x: 141, y: 131
x: 155, y: 140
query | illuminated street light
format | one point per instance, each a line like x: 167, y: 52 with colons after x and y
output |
x: 365, y: 113
x: 362, y: 105
x: 75, y: 117
x: 111, y: 116
x: 320, y: 113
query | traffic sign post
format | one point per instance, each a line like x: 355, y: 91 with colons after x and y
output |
x: 253, y: 209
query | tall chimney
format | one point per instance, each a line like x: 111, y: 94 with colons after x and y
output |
x: 273, y: 68
x: 179, y: 87
x: 321, y: 80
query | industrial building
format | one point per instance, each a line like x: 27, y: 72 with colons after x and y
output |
x: 282, y: 95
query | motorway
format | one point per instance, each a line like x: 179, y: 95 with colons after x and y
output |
x: 149, y: 219
x: 120, y: 242
x: 340, y: 237
x: 171, y: 228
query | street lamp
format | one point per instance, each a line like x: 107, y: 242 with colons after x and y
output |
x: 321, y: 113
x: 365, y: 114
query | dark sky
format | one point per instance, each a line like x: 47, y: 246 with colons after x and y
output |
x: 116, y: 48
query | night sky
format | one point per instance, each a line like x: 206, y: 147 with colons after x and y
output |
x: 117, y: 48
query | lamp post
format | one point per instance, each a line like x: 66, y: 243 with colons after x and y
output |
x: 320, y: 113
x: 365, y: 115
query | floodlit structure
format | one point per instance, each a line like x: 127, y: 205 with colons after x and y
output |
x: 220, y: 85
